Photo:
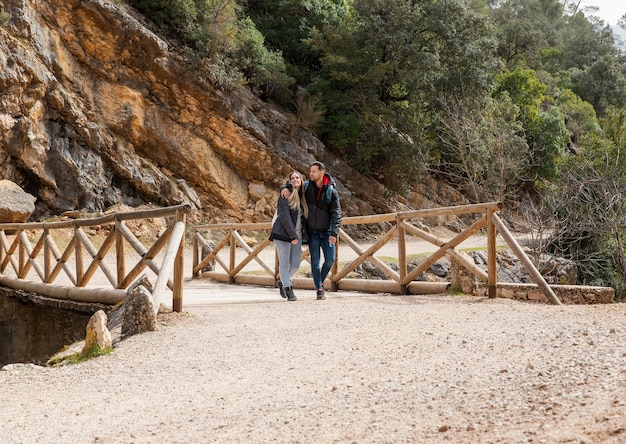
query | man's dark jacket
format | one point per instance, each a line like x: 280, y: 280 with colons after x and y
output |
x: 324, y: 208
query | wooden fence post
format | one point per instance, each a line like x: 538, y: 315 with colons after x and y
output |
x: 402, y: 254
x: 525, y: 260
x: 492, y: 273
x: 120, y: 253
x: 179, y: 262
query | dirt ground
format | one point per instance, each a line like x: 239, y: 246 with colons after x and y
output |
x: 351, y: 369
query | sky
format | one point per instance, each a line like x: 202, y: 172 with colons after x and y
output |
x: 610, y: 10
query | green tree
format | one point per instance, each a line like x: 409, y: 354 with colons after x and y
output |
x: 207, y: 26
x: 383, y: 68
x: 614, y: 126
x: 585, y: 42
x: 229, y: 45
x: 260, y: 66
x: 483, y: 150
x: 525, y: 28
x: 580, y: 116
x: 287, y: 24
x: 589, y: 201
x: 544, y: 126
x: 603, y: 84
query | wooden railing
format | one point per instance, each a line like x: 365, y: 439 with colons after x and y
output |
x: 206, y: 251
x: 39, y: 266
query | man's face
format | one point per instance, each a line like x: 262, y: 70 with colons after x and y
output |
x: 315, y: 173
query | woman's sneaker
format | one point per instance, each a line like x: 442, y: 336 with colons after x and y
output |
x: 290, y: 295
x: 281, y: 289
x: 320, y: 294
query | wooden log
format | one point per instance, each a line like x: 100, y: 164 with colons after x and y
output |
x: 235, y: 226
x: 47, y: 258
x: 78, y: 256
x: 179, y: 264
x: 402, y: 262
x: 21, y: 257
x: 99, y: 221
x: 380, y: 286
x: 525, y: 260
x: 267, y: 281
x: 108, y: 296
x: 154, y: 213
x: 369, y: 219
x: 195, y: 260
x: 492, y: 272
x: 233, y: 253
x: 448, y: 211
x: 361, y: 285
x: 120, y: 254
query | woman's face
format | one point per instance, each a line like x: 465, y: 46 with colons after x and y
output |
x: 296, y: 180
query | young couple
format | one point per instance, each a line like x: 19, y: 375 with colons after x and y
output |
x: 310, y: 212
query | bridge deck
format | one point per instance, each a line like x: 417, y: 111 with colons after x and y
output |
x: 209, y: 292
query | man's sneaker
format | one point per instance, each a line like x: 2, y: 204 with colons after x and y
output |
x: 320, y: 294
x: 279, y: 284
x: 290, y: 295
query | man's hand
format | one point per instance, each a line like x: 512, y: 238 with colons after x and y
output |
x: 294, y: 241
x: 332, y: 239
x: 285, y: 193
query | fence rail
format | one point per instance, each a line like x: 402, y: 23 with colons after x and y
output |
x: 40, y: 266
x: 206, y: 252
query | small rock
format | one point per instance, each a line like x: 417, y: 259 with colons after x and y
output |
x: 97, y: 333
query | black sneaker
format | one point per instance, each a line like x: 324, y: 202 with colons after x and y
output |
x: 320, y: 294
x: 279, y: 284
x: 290, y: 295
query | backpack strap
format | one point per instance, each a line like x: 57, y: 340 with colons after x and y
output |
x: 329, y: 190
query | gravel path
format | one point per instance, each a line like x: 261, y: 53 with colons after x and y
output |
x: 349, y: 369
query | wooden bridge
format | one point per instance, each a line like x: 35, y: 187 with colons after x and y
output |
x: 43, y: 269
x: 74, y: 268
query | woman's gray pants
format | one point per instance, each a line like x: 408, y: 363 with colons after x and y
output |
x: 288, y: 260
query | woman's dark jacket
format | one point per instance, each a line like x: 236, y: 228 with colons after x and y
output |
x: 284, y: 228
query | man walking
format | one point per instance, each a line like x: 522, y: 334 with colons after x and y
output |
x: 323, y: 222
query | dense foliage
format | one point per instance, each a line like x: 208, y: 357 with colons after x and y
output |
x: 502, y: 98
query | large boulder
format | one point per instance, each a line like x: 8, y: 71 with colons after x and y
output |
x: 139, y: 313
x: 16, y: 205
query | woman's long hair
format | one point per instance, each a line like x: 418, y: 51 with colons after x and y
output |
x: 296, y: 198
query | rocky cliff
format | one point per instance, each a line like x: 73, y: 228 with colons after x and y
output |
x: 95, y: 110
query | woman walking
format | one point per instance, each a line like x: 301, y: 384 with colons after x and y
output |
x: 287, y: 235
